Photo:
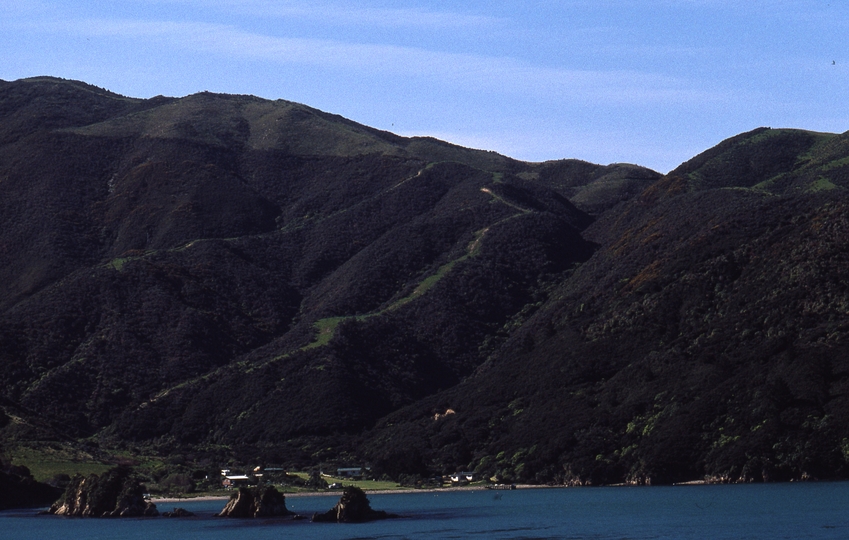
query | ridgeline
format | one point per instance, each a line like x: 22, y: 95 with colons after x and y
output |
x: 225, y: 277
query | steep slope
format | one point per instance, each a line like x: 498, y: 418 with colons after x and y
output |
x: 230, y: 271
x: 705, y: 338
x: 231, y: 277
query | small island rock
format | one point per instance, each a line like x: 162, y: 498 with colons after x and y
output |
x: 256, y: 502
x: 178, y: 512
x: 353, y: 507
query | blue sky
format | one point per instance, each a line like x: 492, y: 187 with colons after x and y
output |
x: 652, y: 82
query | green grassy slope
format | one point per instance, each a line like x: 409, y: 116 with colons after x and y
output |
x: 777, y: 161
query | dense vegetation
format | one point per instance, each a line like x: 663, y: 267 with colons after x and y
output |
x: 229, y: 278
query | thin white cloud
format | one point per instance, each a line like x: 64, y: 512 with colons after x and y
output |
x: 467, y: 71
x: 341, y: 13
x: 594, y: 145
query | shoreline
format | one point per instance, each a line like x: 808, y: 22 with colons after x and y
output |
x: 404, y: 491
x: 338, y: 492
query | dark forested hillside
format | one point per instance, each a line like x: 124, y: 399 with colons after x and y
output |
x: 233, y: 277
x: 706, y: 337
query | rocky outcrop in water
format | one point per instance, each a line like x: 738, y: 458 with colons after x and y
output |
x: 256, y: 502
x: 116, y: 493
x: 18, y: 489
x: 178, y: 513
x: 353, y: 507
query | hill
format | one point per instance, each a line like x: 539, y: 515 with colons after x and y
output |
x: 227, y: 271
x: 706, y: 337
x: 226, y: 277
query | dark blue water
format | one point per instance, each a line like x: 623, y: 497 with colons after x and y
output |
x: 741, y: 511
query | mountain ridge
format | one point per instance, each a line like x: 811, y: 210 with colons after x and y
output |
x: 228, y: 277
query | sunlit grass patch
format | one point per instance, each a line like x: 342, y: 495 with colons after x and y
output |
x: 326, y: 328
x: 45, y: 465
x: 821, y: 184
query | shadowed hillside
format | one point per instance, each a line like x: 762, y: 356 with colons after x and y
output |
x: 234, y: 271
x: 227, y: 276
x: 706, y: 337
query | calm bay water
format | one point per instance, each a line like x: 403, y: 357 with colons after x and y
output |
x: 771, y: 511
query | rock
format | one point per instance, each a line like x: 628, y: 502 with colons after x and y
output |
x: 353, y: 507
x: 18, y: 489
x: 117, y: 493
x: 256, y: 502
x: 178, y: 513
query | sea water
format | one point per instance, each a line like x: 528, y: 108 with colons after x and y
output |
x: 809, y: 510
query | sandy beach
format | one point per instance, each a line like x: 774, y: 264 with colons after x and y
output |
x: 224, y: 497
x: 168, y: 500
